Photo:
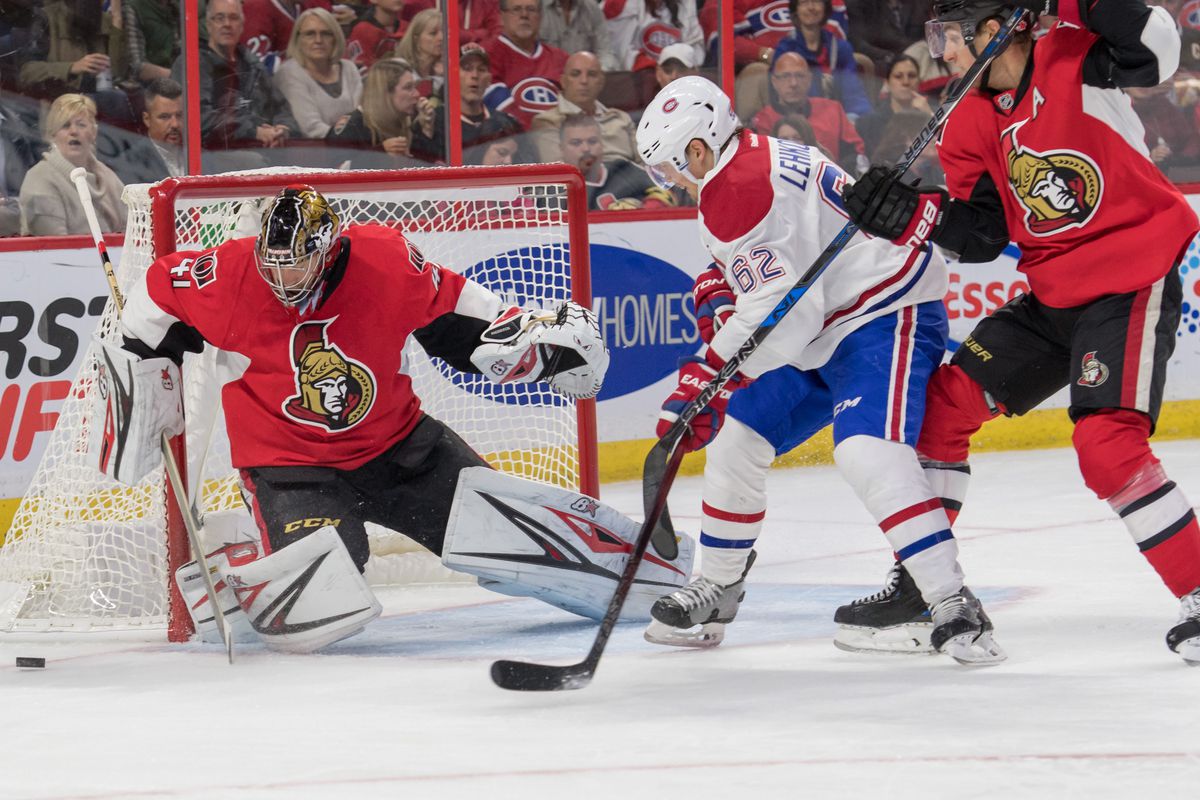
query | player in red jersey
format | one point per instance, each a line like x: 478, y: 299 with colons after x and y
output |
x: 323, y: 423
x: 525, y: 69
x: 1048, y: 154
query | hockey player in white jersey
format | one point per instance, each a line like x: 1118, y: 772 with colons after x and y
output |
x: 855, y: 351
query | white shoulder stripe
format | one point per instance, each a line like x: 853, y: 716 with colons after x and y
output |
x: 1161, y: 37
x: 478, y: 302
x: 1114, y: 108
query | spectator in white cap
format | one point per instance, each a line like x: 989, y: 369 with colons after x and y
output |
x: 675, y: 61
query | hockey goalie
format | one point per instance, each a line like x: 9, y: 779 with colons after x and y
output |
x: 327, y: 433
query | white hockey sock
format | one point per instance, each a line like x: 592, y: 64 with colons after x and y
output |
x: 735, y: 500
x: 949, y: 482
x: 889, y: 480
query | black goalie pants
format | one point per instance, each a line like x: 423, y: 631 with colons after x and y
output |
x: 408, y: 488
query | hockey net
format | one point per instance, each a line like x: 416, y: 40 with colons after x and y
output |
x: 87, y: 554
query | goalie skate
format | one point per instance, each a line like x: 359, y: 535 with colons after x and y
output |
x: 893, y: 620
x: 696, y: 615
x: 963, y: 631
x: 1184, y: 638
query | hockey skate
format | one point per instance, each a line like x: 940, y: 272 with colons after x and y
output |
x: 701, y: 603
x: 963, y: 631
x: 893, y: 620
x: 1184, y: 638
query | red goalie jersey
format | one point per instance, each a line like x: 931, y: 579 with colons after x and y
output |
x: 328, y: 386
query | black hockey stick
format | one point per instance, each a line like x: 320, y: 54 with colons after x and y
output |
x: 662, y: 462
x: 525, y: 676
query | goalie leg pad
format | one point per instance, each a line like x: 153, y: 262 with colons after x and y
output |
x: 137, y: 399
x: 191, y: 586
x: 306, y: 596
x: 529, y: 539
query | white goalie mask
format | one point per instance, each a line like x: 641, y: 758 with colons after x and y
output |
x: 685, y: 109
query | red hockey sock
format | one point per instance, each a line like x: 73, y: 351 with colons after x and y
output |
x: 1117, y: 464
x: 954, y: 409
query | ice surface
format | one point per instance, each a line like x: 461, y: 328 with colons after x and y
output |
x: 1091, y: 704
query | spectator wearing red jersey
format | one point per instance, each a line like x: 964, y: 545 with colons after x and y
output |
x: 478, y: 20
x: 376, y: 34
x: 521, y: 64
x: 758, y: 25
x: 790, y: 79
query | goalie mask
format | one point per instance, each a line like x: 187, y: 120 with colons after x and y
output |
x: 955, y: 23
x: 295, y: 246
x: 687, y: 108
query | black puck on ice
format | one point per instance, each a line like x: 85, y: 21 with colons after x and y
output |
x: 31, y: 663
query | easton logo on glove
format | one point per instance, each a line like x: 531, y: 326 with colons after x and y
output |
x: 695, y: 373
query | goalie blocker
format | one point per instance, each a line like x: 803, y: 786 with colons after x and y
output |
x: 137, y: 400
x: 518, y: 537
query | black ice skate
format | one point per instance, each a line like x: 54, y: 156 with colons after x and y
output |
x: 701, y: 603
x: 963, y: 631
x: 1184, y: 638
x: 893, y: 620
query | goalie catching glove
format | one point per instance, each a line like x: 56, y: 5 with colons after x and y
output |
x: 566, y: 350
x: 137, y: 399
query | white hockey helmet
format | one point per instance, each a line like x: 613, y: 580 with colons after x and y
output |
x: 686, y: 108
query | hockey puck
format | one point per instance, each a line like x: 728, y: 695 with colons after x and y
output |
x: 31, y: 663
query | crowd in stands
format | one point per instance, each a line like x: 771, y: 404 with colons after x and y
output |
x: 98, y: 84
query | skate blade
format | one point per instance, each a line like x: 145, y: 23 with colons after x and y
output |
x: 910, y: 639
x: 708, y: 635
x: 1189, y: 649
x: 970, y: 651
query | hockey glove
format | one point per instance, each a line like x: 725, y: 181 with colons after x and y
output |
x: 564, y: 348
x: 694, y: 374
x: 714, y: 302
x: 883, y: 205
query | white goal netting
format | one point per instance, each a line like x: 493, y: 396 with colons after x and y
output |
x: 84, y: 553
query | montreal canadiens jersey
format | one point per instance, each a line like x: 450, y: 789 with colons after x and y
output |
x: 638, y: 35
x: 1091, y: 214
x: 328, y: 387
x: 523, y: 84
x: 767, y: 210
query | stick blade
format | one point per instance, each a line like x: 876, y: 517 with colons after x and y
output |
x: 522, y: 676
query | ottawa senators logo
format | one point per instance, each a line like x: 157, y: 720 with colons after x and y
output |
x: 1059, y: 190
x: 332, y: 392
x: 1094, y: 371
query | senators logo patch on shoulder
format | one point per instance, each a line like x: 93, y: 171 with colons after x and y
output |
x: 332, y: 392
x: 1060, y: 189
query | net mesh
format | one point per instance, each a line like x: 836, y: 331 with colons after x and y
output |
x: 85, y: 553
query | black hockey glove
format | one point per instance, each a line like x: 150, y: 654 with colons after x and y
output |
x: 883, y: 205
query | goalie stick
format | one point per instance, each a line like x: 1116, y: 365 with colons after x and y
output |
x: 190, y: 522
x: 662, y: 462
